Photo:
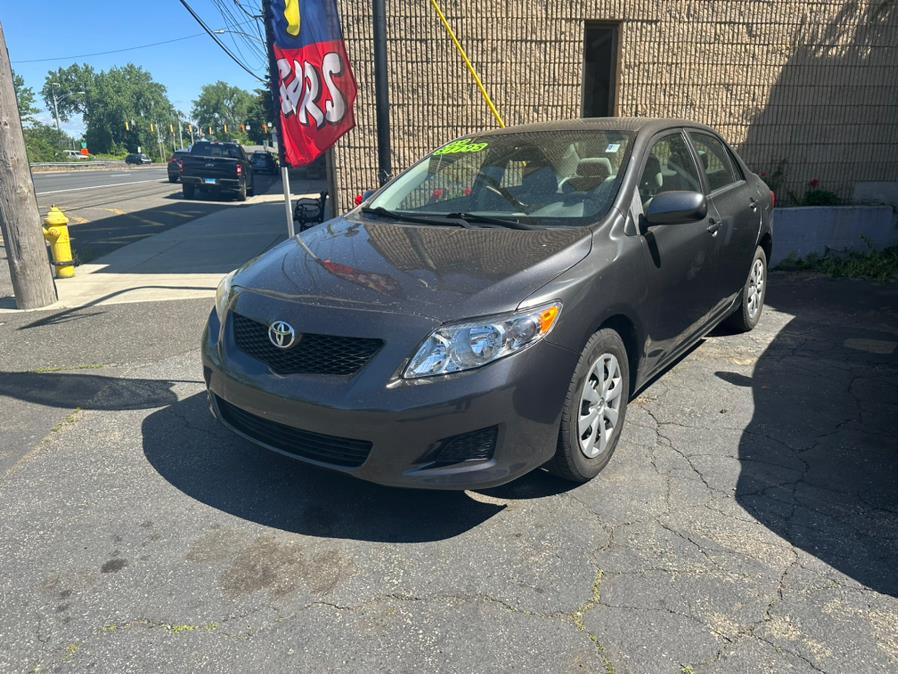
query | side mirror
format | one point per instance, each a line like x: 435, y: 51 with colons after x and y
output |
x: 676, y: 208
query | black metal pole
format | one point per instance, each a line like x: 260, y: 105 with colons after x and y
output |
x: 273, y: 79
x: 381, y: 92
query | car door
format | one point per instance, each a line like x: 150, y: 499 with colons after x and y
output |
x: 735, y: 205
x: 679, y: 260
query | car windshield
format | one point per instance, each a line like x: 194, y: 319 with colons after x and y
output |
x: 543, y: 178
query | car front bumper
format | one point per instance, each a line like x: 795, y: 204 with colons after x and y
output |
x: 516, y: 401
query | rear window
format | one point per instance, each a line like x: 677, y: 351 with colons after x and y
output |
x: 715, y: 160
x: 211, y: 150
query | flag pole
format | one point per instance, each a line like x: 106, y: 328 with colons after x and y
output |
x: 382, y: 93
x: 276, y: 111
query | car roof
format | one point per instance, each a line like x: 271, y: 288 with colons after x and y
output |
x: 646, y: 125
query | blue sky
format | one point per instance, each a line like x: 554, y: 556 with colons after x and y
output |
x: 51, y: 28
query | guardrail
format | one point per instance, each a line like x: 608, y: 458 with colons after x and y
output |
x: 78, y: 164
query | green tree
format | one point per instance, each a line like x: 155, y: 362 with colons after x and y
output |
x: 221, y: 104
x: 26, y: 98
x: 44, y: 143
x: 123, y: 108
x: 260, y: 112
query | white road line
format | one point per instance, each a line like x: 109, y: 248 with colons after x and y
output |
x: 96, y: 187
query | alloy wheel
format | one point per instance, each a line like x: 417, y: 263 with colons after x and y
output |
x: 756, y: 288
x: 600, y: 402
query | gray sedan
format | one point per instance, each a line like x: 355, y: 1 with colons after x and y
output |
x: 494, y: 308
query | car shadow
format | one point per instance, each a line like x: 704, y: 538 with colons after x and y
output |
x: 819, y: 461
x: 198, y: 456
x: 69, y: 390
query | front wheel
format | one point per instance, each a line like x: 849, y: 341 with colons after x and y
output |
x: 751, y: 300
x: 594, y: 409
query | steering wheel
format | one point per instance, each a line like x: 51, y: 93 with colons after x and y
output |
x: 493, y: 186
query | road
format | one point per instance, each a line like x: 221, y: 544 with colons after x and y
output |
x: 111, y: 209
x: 50, y: 184
x: 748, y: 521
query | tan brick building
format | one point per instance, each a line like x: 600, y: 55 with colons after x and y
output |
x: 811, y: 83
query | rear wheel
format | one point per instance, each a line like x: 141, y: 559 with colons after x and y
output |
x: 189, y: 191
x: 594, y: 409
x: 751, y: 301
x: 241, y: 193
x: 251, y: 190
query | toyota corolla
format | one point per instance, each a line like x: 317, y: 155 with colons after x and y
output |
x: 494, y: 308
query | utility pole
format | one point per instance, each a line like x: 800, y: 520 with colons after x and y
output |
x: 20, y: 220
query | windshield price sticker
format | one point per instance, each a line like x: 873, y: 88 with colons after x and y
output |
x: 464, y: 146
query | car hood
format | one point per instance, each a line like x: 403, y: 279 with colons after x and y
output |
x: 445, y: 273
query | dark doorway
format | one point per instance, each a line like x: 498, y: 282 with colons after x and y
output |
x: 600, y: 70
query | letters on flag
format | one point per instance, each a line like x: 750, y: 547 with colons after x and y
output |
x: 314, y: 79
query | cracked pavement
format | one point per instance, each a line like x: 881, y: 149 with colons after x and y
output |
x: 748, y: 521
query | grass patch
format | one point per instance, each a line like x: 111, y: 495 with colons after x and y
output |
x: 874, y: 265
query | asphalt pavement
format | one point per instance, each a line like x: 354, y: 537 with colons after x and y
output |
x: 748, y: 522
x: 111, y: 209
x: 48, y: 184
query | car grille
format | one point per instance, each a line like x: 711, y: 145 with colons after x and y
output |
x: 312, y: 354
x: 296, y: 442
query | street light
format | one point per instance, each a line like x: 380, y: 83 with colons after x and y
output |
x: 56, y: 100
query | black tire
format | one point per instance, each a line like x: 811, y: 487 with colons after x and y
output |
x: 189, y: 191
x: 251, y: 190
x: 569, y: 461
x: 173, y: 179
x: 241, y: 192
x: 742, y: 319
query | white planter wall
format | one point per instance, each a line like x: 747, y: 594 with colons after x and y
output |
x: 804, y: 230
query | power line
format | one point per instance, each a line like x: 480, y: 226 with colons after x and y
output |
x: 221, y: 44
x: 111, y: 51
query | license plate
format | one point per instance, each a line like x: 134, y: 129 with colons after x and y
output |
x: 209, y: 181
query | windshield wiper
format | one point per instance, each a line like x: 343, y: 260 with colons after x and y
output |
x: 439, y: 220
x: 489, y: 220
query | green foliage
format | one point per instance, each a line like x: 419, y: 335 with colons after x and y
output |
x: 875, y: 265
x: 45, y: 143
x: 260, y: 112
x: 123, y: 108
x: 111, y: 156
x: 813, y: 196
x: 818, y: 197
x: 220, y: 105
x: 25, y: 96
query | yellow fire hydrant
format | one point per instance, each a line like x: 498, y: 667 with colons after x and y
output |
x: 56, y: 232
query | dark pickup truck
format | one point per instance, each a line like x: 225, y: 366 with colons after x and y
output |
x: 223, y: 167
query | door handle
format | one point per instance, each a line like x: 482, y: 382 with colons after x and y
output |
x: 753, y: 204
x: 713, y: 226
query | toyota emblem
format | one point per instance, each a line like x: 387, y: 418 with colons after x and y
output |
x: 282, y: 334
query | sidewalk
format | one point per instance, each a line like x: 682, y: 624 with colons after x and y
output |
x: 184, y: 262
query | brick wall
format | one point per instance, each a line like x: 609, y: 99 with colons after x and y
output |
x: 811, y: 83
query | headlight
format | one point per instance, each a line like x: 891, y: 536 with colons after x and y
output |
x: 464, y: 346
x: 223, y: 294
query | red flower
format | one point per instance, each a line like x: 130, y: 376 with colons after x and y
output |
x: 814, y: 183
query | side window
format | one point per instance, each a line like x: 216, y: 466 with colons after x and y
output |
x: 669, y: 168
x: 715, y: 160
